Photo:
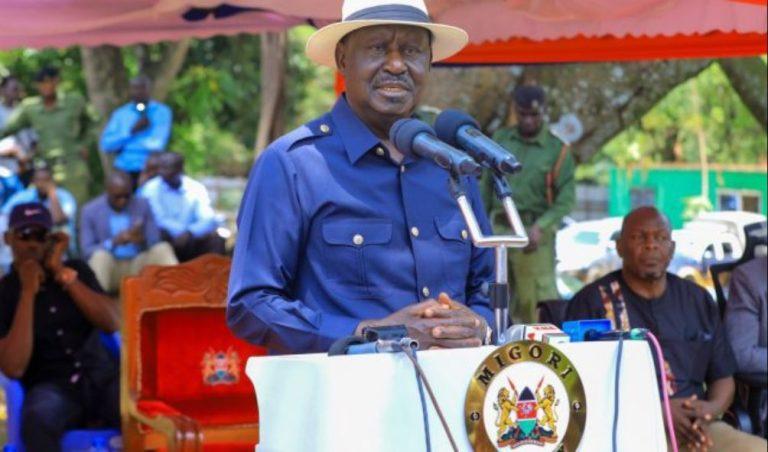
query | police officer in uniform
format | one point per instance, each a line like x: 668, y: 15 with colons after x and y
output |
x: 544, y: 192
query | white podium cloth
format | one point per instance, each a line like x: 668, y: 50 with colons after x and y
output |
x: 371, y: 402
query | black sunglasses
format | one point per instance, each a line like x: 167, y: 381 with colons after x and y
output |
x: 36, y: 234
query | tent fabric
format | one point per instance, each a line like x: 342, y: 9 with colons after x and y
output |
x: 63, y: 23
x: 582, y: 49
x: 500, y: 30
x: 538, y: 20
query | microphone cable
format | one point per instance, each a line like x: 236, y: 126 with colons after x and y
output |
x: 421, y: 376
x: 663, y: 380
x: 619, y: 353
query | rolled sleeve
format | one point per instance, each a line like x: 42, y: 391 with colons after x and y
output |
x: 116, y: 134
x: 204, y: 217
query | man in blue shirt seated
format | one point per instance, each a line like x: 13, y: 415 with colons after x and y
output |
x: 58, y: 200
x: 338, y: 229
x: 119, y: 236
x: 182, y: 210
x: 136, y: 129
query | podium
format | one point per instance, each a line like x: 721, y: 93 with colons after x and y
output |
x: 371, y: 402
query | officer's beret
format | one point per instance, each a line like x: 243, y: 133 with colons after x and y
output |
x: 528, y: 96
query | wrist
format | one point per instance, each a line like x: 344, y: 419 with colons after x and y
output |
x: 65, y: 276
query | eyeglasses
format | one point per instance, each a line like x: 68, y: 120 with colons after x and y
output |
x: 37, y: 234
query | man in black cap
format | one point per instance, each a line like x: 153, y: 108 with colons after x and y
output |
x: 544, y: 192
x: 51, y: 313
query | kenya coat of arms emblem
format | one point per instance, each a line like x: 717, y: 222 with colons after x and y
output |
x: 526, y: 396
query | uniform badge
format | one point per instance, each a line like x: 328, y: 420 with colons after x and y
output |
x: 221, y: 368
x: 526, y: 396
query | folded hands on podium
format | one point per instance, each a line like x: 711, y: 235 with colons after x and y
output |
x: 437, y: 323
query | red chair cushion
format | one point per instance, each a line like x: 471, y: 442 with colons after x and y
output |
x: 191, y: 360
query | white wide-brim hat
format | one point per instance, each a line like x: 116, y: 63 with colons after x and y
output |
x: 355, y: 14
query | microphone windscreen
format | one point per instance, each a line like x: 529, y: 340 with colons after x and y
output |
x: 404, y: 131
x: 448, y: 123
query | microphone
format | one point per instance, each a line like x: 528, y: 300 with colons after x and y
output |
x: 613, y: 335
x: 541, y: 332
x: 383, y: 346
x: 600, y: 330
x: 416, y: 137
x: 460, y: 130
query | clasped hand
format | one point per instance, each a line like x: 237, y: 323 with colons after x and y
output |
x: 440, y: 323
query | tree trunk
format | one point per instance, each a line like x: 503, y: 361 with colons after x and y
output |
x: 748, y: 79
x: 163, y: 72
x: 105, y: 77
x: 273, y: 68
x: 107, y: 84
x: 605, y: 97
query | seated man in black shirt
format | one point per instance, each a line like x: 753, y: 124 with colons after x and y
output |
x: 50, y: 315
x: 699, y: 363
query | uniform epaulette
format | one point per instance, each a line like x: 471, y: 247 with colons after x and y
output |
x: 315, y: 128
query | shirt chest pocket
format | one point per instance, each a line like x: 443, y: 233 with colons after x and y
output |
x: 353, y: 248
x: 456, y: 252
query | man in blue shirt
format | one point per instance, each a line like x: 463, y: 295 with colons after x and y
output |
x: 119, y: 236
x: 182, y: 210
x: 136, y: 129
x: 338, y: 229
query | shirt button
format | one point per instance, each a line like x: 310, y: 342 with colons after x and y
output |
x: 425, y: 291
x: 52, y: 310
x: 68, y: 351
x: 415, y: 231
x: 464, y: 234
x: 380, y: 152
x: 59, y: 332
x: 402, y: 168
x: 358, y: 239
x: 77, y: 364
x: 325, y: 128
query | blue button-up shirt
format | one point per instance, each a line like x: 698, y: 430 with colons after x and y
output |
x: 119, y: 222
x: 332, y: 232
x: 133, y: 149
x: 178, y: 210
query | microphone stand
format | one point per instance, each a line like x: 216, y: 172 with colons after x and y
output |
x: 499, y: 289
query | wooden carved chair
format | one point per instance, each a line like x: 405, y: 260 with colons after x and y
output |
x: 183, y: 383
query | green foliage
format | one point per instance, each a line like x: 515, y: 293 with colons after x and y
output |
x: 668, y: 133
x: 695, y: 205
x: 24, y: 64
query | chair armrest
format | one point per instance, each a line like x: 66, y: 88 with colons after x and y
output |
x: 182, y: 432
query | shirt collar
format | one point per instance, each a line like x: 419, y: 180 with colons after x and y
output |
x: 168, y: 188
x: 356, y: 136
x: 538, y: 138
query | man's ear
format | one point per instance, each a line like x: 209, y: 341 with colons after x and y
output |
x: 620, y: 247
x: 340, y: 57
x: 7, y: 237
